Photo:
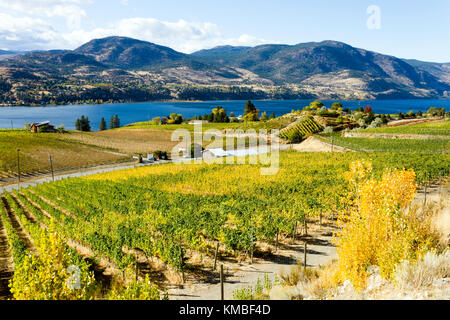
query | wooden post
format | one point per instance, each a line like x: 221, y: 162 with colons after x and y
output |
x: 276, y: 241
x: 332, y: 144
x: 305, y: 225
x: 305, y: 248
x: 320, y: 218
x: 215, y: 256
x: 293, y: 232
x: 425, y: 200
x: 221, y: 283
x: 251, y: 252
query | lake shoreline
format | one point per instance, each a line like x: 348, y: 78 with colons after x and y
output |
x: 203, y: 101
x: 66, y: 115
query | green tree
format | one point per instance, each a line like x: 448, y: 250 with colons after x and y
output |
x: 264, y: 116
x: 272, y: 115
x: 336, y: 106
x: 78, y: 124
x: 369, y: 118
x: 315, y: 105
x: 114, y: 122
x: 102, y: 125
x: 178, y: 119
x: 433, y: 111
x: 249, y: 108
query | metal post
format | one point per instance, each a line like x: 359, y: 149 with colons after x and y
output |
x: 51, y: 167
x: 221, y: 283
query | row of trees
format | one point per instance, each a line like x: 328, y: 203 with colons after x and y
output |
x: 83, y: 123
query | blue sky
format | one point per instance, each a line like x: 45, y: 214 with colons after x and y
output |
x: 407, y: 29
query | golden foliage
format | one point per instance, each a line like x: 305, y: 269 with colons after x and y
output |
x: 377, y: 226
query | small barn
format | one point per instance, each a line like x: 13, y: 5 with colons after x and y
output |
x: 42, y: 127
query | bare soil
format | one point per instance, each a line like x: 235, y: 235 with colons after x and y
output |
x: 206, y: 286
x: 313, y: 144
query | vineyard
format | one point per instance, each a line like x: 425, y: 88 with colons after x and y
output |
x: 35, y: 149
x: 430, y: 128
x: 171, y: 213
x: 430, y: 146
x: 301, y: 128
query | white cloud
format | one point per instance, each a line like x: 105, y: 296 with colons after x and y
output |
x: 183, y: 35
x: 30, y: 33
x: 70, y: 10
x: 25, y: 33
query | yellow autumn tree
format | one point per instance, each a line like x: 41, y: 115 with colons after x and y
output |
x: 377, y: 228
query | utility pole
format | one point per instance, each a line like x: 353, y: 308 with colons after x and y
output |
x: 18, y: 163
x: 51, y: 167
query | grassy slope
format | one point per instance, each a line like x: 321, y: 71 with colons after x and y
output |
x: 36, y: 148
x: 258, y: 125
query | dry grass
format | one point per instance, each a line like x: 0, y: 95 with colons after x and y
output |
x: 129, y: 141
x: 424, y: 272
x: 35, y: 150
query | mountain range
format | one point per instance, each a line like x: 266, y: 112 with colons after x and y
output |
x: 327, y: 69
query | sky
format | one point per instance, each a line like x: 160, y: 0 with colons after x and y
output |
x: 413, y: 29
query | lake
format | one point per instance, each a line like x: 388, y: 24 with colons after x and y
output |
x: 135, y: 112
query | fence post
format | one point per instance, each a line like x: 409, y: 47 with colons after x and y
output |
x: 305, y: 224
x: 215, y: 256
x: 293, y: 232
x: 320, y: 218
x: 305, y: 248
x: 251, y: 254
x: 221, y: 282
x: 276, y: 242
x: 425, y: 200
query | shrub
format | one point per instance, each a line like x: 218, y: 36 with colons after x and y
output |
x: 424, y: 271
x: 328, y: 129
x: 136, y: 290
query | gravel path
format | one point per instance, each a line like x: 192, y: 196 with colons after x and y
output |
x: 320, y: 251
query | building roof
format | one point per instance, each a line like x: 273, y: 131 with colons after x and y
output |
x: 40, y: 124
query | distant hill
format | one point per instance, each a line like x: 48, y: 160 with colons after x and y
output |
x: 327, y: 69
x: 127, y: 53
x: 439, y: 70
x: 285, y: 63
